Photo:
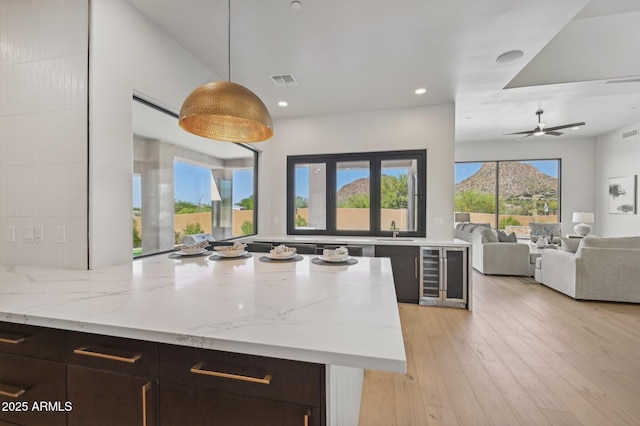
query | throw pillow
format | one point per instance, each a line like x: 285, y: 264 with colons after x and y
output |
x: 570, y: 244
x: 511, y: 238
x: 489, y: 235
x: 504, y: 238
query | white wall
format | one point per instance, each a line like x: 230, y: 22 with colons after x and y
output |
x: 578, y: 168
x: 616, y: 158
x: 430, y: 128
x: 128, y: 55
x: 43, y: 131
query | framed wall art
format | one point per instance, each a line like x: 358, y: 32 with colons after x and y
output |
x: 622, y: 195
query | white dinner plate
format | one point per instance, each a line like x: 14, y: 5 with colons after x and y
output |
x: 280, y: 257
x: 181, y: 253
x: 223, y: 254
x: 326, y: 259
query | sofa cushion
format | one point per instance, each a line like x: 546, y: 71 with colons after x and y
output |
x: 570, y: 244
x: 468, y: 227
x: 612, y: 242
x: 504, y: 238
x: 459, y: 226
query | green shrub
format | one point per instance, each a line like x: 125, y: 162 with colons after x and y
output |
x: 247, y: 227
x: 508, y: 221
x: 192, y: 229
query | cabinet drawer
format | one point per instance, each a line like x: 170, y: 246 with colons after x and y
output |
x: 116, y: 354
x: 39, y: 342
x: 26, y: 380
x: 393, y: 251
x: 190, y: 405
x: 103, y: 398
x: 293, y: 381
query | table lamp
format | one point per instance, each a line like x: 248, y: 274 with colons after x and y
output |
x: 582, y: 218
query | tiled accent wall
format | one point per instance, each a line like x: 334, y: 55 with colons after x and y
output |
x: 43, y: 132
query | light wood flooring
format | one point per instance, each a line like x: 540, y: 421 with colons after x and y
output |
x: 526, y: 355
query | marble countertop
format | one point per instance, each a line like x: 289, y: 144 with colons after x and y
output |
x: 340, y: 239
x: 341, y: 315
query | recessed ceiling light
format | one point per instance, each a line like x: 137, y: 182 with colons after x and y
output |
x: 420, y: 91
x: 510, y: 56
x: 283, y: 104
x: 296, y: 5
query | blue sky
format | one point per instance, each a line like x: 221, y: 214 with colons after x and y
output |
x: 548, y: 167
x: 193, y: 183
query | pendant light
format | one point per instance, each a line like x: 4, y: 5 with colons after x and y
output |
x: 226, y: 111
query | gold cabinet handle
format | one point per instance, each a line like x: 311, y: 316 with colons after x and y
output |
x: 197, y: 369
x: 12, y: 339
x: 145, y: 389
x: 307, y: 417
x: 89, y: 352
x: 11, y: 391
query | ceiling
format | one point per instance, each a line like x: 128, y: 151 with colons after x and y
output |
x: 359, y: 55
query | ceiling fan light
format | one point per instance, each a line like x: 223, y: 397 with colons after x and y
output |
x: 226, y: 111
x: 538, y: 133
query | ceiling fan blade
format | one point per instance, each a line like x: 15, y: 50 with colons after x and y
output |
x: 565, y: 126
x: 530, y: 132
x: 553, y: 133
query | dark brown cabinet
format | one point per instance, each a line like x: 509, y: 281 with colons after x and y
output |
x: 32, y: 376
x: 111, y: 380
x: 89, y: 379
x: 107, y: 398
x: 190, y: 405
x: 201, y: 387
x: 406, y: 270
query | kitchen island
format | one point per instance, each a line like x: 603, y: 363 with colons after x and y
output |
x: 343, y: 317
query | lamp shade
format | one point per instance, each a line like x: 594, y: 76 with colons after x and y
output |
x: 462, y: 217
x: 581, y: 217
x: 226, y: 111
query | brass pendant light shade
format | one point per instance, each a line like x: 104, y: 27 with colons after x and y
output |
x: 226, y: 111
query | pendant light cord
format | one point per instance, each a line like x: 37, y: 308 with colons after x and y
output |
x: 229, y: 39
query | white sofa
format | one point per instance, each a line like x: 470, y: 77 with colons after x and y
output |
x: 491, y: 257
x: 606, y: 269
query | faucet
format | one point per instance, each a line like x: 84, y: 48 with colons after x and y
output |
x: 394, y: 229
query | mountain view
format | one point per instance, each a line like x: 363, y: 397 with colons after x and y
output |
x: 516, y: 180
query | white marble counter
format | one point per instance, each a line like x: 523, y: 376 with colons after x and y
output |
x: 340, y: 239
x: 337, y: 315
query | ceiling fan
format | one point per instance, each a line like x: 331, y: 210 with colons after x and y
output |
x: 542, y: 130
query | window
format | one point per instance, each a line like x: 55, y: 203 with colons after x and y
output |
x: 184, y: 184
x: 357, y: 194
x: 509, y: 194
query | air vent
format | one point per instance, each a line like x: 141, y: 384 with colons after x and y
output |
x: 630, y: 135
x: 283, y: 80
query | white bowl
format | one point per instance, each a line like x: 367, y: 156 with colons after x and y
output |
x: 192, y: 250
x: 231, y: 251
x: 286, y: 253
x: 336, y: 256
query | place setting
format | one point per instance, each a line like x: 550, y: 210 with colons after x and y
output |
x: 281, y: 254
x: 236, y: 251
x: 192, y: 251
x: 335, y: 257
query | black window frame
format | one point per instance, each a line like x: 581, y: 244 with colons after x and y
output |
x: 375, y: 159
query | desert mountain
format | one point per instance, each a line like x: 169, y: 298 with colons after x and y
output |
x: 358, y: 186
x: 516, y: 179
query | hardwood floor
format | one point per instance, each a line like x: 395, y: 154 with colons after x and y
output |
x: 526, y: 355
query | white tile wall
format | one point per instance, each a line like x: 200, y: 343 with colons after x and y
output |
x: 43, y: 130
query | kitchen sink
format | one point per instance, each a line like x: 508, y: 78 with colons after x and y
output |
x: 395, y: 239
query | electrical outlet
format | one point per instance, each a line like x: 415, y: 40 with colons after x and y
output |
x: 11, y: 234
x: 39, y: 235
x: 61, y: 234
x: 28, y: 234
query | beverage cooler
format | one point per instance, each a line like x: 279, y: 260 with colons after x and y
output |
x: 444, y: 276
